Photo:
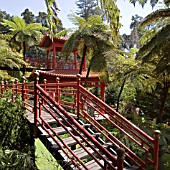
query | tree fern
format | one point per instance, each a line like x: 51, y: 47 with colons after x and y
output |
x: 23, y: 35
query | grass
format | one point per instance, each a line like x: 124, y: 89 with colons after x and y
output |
x: 44, y: 159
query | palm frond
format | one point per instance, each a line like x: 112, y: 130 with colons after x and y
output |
x: 35, y: 27
x: 154, y: 16
x: 8, y: 57
x: 60, y: 34
x: 20, y: 23
x: 155, y: 45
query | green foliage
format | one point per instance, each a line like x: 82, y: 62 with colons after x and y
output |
x: 15, y: 149
x: 52, y: 20
x: 95, y: 36
x: 14, y: 130
x: 14, y: 160
x: 4, y: 15
x: 28, y: 16
x: 44, y: 160
x: 9, y: 57
x: 112, y: 15
x: 87, y: 8
x: 24, y: 34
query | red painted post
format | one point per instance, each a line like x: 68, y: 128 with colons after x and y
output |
x: 23, y: 88
x: 102, y: 91
x: 45, y: 84
x: 6, y: 85
x: 26, y: 92
x: 105, y: 165
x: 57, y: 95
x: 156, y: 148
x: 54, y: 58
x: 78, y: 94
x: 16, y: 80
x: 47, y: 60
x: 45, y: 87
x: 2, y: 87
x: 120, y: 158
x: 36, y: 104
x: 12, y: 87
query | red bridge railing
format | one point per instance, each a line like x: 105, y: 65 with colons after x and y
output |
x: 74, y: 98
x: 61, y: 64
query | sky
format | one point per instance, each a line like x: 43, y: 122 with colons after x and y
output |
x: 16, y: 7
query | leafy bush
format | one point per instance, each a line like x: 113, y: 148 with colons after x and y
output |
x: 14, y: 134
x: 15, y: 160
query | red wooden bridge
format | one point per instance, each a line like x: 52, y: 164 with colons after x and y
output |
x: 81, y: 130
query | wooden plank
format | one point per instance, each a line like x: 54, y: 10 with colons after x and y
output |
x: 69, y: 141
x: 93, y: 165
x: 61, y: 130
x: 81, y: 153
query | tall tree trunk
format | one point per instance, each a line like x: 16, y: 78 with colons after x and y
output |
x: 24, y: 55
x: 136, y: 37
x: 87, y: 75
x: 163, y: 97
x: 83, y: 59
x: 120, y: 92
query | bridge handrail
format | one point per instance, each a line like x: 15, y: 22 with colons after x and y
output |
x: 84, y: 99
x: 39, y: 91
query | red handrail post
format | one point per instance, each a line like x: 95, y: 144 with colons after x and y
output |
x: 120, y: 158
x: 6, y: 85
x: 12, y: 87
x: 156, y: 148
x: 16, y: 80
x: 45, y: 87
x: 36, y: 104
x: 23, y: 88
x: 78, y: 94
x: 2, y: 87
x: 45, y: 84
x: 57, y: 95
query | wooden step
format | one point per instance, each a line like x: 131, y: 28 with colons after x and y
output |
x: 81, y: 153
x: 132, y: 168
x: 59, y: 130
x: 69, y: 141
x: 93, y: 165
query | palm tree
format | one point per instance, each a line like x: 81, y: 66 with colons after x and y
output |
x: 155, y: 51
x: 23, y: 34
x: 109, y: 9
x: 28, y: 16
x: 135, y: 34
x: 92, y: 39
x: 52, y: 19
x: 9, y: 57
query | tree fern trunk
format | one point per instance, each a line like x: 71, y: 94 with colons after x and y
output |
x: 120, y: 92
x: 24, y: 55
x: 83, y: 59
x: 87, y: 75
x: 163, y: 97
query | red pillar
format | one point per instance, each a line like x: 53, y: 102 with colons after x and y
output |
x: 54, y: 58
x: 156, y: 148
x: 102, y: 90
x: 47, y: 60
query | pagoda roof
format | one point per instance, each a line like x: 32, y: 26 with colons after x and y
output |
x: 67, y: 73
x: 47, y: 41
